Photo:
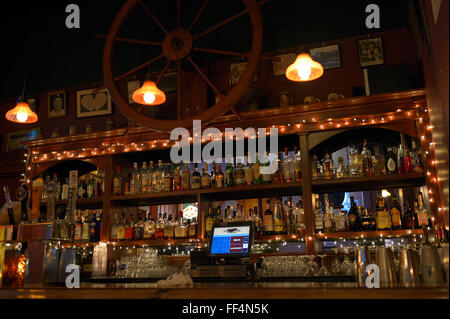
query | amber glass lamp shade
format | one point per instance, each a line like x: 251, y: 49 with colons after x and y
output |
x: 304, y: 69
x: 149, y: 94
x: 21, y: 114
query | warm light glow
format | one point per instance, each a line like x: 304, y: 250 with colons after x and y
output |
x: 304, y: 69
x: 21, y: 113
x: 149, y: 94
x: 385, y: 193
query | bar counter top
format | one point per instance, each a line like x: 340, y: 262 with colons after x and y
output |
x: 223, y: 290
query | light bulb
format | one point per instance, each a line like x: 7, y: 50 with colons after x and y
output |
x: 22, y: 117
x: 149, y: 97
x: 304, y: 70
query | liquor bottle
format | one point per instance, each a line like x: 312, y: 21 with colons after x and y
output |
x: 126, y: 183
x: 229, y: 172
x: 114, y: 229
x: 289, y: 217
x: 218, y: 218
x: 92, y: 228
x: 300, y: 219
x: 340, y: 220
x: 404, y: 158
x: 368, y: 222
x: 65, y: 190
x: 145, y: 181
x: 85, y: 227
x: 159, y: 227
x: 44, y: 191
x: 316, y: 167
x: 329, y: 222
x: 383, y: 217
x: 249, y: 173
x: 380, y: 164
x: 354, y: 164
x: 268, y: 220
x: 139, y: 228
x: 213, y: 175
x: 424, y: 219
x: 180, y: 228
x: 239, y: 174
x: 149, y: 227
x: 151, y: 174
x: 228, y: 215
x: 220, y: 178
x: 192, y: 229
x: 205, y: 180
x: 318, y: 216
x: 258, y: 222
x: 185, y: 178
x: 169, y: 228
x: 129, y: 228
x: 168, y: 178
x: 134, y: 181
x: 267, y: 178
x: 117, y: 182
x: 121, y: 229
x: 288, y: 171
x: 297, y: 165
x: 353, y: 216
x: 409, y: 218
x: 209, y: 223
x: 328, y: 166
x: 278, y: 225
x: 159, y: 177
x: 341, y: 169
x: 257, y: 177
x: 82, y: 189
x: 368, y: 168
x: 416, y: 158
x: 196, y: 178
x: 100, y: 183
x: 396, y: 213
x: 58, y: 186
x: 391, y: 162
x: 77, y: 230
x: 91, y: 186
x: 177, y: 178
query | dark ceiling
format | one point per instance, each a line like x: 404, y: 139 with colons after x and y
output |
x: 34, y: 32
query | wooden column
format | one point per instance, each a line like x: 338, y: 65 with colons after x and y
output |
x: 107, y: 216
x: 307, y: 193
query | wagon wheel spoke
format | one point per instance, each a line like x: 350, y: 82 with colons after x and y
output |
x: 199, y: 13
x: 221, y: 24
x: 137, y: 41
x: 137, y: 68
x: 152, y: 15
x: 224, y: 52
x: 179, y: 88
x: 164, y: 70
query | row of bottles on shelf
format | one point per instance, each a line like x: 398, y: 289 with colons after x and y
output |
x: 89, y: 186
x: 164, y: 227
x: 170, y: 177
x: 358, y: 218
x: 86, y: 227
x: 365, y: 164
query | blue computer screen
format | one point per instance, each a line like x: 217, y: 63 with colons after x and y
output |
x: 230, y: 240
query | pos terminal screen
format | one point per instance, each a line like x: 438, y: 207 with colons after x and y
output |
x: 230, y: 240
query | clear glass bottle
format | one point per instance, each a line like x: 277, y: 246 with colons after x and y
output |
x: 329, y: 222
x: 318, y: 216
x: 195, y: 178
x: 341, y: 169
x: 169, y: 228
x: 159, y: 227
x: 288, y: 167
x: 416, y: 158
x: 145, y: 179
x: 139, y: 228
x: 180, y: 228
x: 278, y: 225
x: 151, y: 175
x: 159, y: 177
x: 300, y: 219
x: 316, y: 168
x: 297, y: 165
x: 249, y: 173
x: 220, y: 177
x: 185, y: 178
x: 380, y: 164
x: 65, y: 190
x: 353, y: 162
x: 340, y: 220
x: 135, y: 187
x: 205, y: 180
x: 368, y: 168
x: 229, y: 175
x: 267, y: 177
x: 177, y: 178
x: 168, y: 178
x: 328, y: 166
x: 404, y: 158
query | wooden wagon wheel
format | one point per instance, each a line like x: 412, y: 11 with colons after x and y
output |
x: 177, y: 46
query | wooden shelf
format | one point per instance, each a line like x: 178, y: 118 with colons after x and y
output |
x: 236, y: 192
x: 277, y: 238
x: 159, y: 242
x: 370, y: 234
x: 367, y: 183
x: 84, y: 202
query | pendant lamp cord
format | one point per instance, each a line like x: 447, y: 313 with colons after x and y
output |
x: 27, y: 66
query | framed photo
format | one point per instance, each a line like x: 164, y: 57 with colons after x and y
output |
x: 57, y: 104
x: 236, y: 71
x: 32, y: 102
x: 93, y: 104
x: 279, y: 67
x: 328, y: 56
x: 370, y: 52
x: 132, y: 86
x: 168, y: 82
x: 15, y: 139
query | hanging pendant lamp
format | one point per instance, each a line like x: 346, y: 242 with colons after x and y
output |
x: 149, y: 94
x: 21, y: 113
x: 304, y: 69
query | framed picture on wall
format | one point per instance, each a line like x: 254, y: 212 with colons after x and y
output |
x: 57, y: 104
x: 328, y: 56
x: 15, y: 139
x: 132, y: 86
x: 370, y: 52
x: 90, y: 103
x: 284, y: 60
x: 168, y: 83
x: 236, y: 71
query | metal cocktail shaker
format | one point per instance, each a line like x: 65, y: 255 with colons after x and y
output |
x: 431, y: 267
x: 408, y: 269
x: 385, y: 261
x: 362, y: 260
x: 67, y: 258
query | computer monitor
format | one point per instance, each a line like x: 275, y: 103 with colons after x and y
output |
x: 233, y: 240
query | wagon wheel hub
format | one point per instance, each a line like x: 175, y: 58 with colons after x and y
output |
x: 177, y: 45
